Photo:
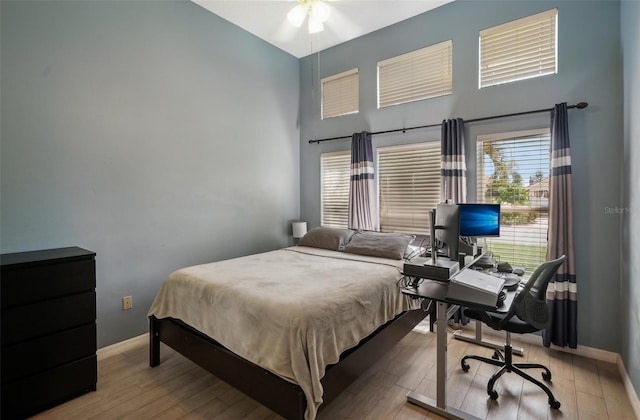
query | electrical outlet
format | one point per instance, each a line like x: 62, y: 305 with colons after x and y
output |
x: 127, y: 303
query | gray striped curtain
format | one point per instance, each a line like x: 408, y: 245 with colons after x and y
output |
x: 562, y: 290
x: 453, y: 174
x: 453, y: 168
x: 362, y: 188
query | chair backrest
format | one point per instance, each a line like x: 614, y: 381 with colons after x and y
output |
x: 531, y: 303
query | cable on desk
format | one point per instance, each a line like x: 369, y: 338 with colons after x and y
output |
x: 420, y: 250
x: 429, y: 306
x: 410, y: 281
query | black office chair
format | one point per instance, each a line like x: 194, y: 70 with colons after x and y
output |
x: 528, y: 313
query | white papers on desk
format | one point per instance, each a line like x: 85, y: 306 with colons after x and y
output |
x: 475, y: 287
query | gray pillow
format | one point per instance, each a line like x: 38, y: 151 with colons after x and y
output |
x: 378, y: 244
x: 326, y: 238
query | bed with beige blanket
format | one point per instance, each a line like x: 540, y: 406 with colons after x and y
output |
x: 292, y: 312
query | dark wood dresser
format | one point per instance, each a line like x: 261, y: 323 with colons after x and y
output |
x: 48, y: 320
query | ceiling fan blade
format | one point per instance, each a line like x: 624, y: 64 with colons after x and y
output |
x: 286, y: 32
x: 339, y: 23
x: 297, y: 15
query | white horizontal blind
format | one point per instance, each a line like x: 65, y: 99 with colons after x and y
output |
x: 334, y: 190
x: 513, y: 170
x: 520, y: 49
x: 340, y: 94
x: 408, y: 186
x: 417, y: 75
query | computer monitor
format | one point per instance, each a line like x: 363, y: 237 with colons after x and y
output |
x: 479, y: 219
x: 447, y: 229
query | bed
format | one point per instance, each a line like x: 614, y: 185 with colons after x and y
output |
x: 293, y: 327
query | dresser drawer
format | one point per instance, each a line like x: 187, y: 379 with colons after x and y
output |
x: 30, y: 321
x: 38, y: 392
x: 32, y: 356
x: 40, y: 282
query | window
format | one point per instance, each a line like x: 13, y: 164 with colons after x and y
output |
x: 340, y: 94
x: 513, y: 170
x: 335, y: 174
x: 520, y: 49
x: 408, y: 186
x: 420, y: 74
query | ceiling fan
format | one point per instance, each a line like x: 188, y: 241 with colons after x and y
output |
x: 317, y: 10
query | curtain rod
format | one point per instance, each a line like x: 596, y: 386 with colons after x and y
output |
x: 579, y: 105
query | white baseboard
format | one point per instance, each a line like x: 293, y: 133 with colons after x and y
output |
x: 602, y: 355
x: 633, y: 396
x: 119, y: 347
x: 590, y: 352
x: 593, y: 353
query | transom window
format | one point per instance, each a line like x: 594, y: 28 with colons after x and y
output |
x: 340, y: 94
x: 417, y: 75
x: 520, y: 49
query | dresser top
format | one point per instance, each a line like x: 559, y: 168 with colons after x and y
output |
x: 45, y: 255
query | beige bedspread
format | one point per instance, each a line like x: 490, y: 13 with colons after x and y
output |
x: 292, y: 311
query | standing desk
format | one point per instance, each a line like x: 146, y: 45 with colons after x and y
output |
x: 477, y: 338
x: 467, y: 262
x: 437, y: 291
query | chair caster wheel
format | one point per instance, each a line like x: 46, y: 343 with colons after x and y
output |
x: 496, y: 355
x: 494, y: 395
x: 546, y: 376
x: 464, y: 365
x: 555, y: 404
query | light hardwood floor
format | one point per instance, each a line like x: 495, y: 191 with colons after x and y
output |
x: 178, y: 389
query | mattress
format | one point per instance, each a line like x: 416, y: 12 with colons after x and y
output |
x: 292, y: 311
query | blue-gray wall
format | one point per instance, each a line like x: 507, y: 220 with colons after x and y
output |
x: 151, y: 132
x: 159, y: 136
x: 630, y: 285
x: 589, y: 70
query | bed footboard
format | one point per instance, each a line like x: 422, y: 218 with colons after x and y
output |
x: 154, y: 341
x: 279, y: 395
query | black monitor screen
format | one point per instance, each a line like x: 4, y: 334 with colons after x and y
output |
x: 479, y: 219
x: 447, y: 231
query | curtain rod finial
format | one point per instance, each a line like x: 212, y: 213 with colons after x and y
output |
x: 581, y: 105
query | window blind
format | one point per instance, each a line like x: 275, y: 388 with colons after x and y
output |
x: 408, y: 186
x: 335, y: 175
x: 513, y: 170
x: 520, y: 49
x: 417, y: 75
x: 340, y: 94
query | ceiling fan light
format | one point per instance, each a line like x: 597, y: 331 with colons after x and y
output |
x: 319, y: 11
x: 297, y: 15
x: 315, y: 26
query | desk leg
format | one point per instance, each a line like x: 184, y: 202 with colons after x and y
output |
x: 440, y: 405
x: 441, y: 356
x: 458, y: 335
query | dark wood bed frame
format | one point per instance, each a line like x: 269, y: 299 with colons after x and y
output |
x: 281, y: 396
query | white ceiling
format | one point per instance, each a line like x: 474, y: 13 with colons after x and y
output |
x: 348, y: 19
